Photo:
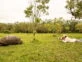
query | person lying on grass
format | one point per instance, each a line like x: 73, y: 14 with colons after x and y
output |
x: 65, y: 38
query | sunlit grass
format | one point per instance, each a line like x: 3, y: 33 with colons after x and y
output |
x: 46, y: 48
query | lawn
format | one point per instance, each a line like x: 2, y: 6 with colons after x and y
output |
x: 46, y: 48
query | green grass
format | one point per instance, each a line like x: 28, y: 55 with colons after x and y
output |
x: 46, y: 48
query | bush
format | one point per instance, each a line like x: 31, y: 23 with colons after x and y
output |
x: 10, y: 40
x: 58, y: 27
x: 50, y: 26
x: 7, y: 31
x: 79, y: 27
x: 41, y: 28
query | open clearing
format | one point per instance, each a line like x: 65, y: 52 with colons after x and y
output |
x: 46, y: 48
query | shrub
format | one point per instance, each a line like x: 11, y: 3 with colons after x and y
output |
x: 79, y: 27
x: 10, y: 40
x: 58, y: 27
x: 41, y: 28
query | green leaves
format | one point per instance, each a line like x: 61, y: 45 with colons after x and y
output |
x: 37, y: 20
x: 34, y: 10
x: 29, y: 11
x: 79, y: 9
x: 79, y: 27
x: 40, y: 6
x: 79, y: 5
x: 42, y: 1
x: 70, y: 4
x: 75, y: 8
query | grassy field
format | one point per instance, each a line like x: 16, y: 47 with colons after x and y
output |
x: 46, y: 48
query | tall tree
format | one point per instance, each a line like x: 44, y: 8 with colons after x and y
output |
x: 79, y: 9
x: 75, y: 8
x: 35, y: 10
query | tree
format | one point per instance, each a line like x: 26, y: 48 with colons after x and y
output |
x: 58, y: 27
x: 72, y: 25
x: 79, y: 10
x: 79, y: 27
x: 66, y: 26
x: 75, y: 8
x: 35, y: 10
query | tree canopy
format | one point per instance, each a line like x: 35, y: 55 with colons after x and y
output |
x: 37, y: 8
x: 75, y: 8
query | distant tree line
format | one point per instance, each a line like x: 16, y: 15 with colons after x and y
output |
x: 48, y: 26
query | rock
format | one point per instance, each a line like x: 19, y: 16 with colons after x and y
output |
x: 10, y: 40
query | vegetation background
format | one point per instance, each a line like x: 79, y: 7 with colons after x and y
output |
x: 45, y: 46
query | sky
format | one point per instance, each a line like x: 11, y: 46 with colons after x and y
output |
x: 13, y: 10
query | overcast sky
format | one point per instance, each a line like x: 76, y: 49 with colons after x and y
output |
x: 13, y: 10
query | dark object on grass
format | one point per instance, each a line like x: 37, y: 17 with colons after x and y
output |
x: 10, y: 40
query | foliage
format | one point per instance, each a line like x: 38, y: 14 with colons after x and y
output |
x: 66, y: 26
x: 28, y: 11
x: 34, y: 11
x: 41, y: 28
x: 72, y: 25
x: 48, y: 26
x: 75, y: 8
x: 79, y: 27
x: 58, y: 28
